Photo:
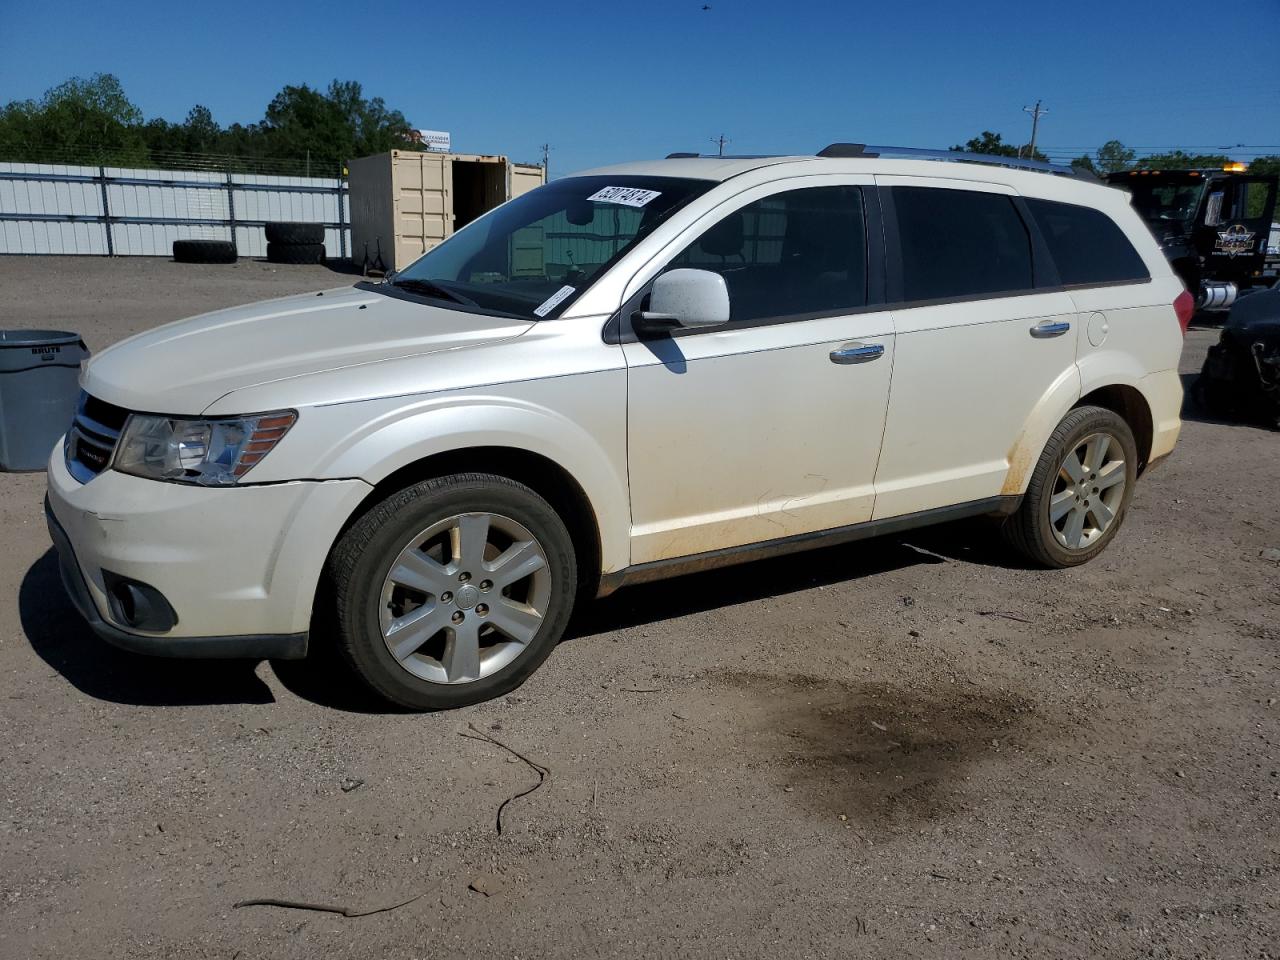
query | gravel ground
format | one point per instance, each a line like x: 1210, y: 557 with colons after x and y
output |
x: 908, y: 747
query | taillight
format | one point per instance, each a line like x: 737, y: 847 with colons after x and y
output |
x: 1185, y: 307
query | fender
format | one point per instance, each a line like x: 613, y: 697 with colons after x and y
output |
x: 405, y: 433
x: 1160, y: 391
x: 1061, y: 395
x: 1110, y: 368
x: 1089, y: 373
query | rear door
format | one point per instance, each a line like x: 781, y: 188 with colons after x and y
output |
x: 1125, y: 321
x: 978, y: 345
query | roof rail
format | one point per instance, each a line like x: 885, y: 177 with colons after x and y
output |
x: 955, y: 156
x: 721, y: 156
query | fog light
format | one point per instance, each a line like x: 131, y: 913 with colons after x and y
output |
x: 138, y: 604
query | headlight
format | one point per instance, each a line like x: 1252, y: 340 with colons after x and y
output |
x: 212, y: 452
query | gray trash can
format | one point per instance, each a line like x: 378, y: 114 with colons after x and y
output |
x: 39, y: 384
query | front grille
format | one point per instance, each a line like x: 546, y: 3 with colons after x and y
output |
x: 92, y: 439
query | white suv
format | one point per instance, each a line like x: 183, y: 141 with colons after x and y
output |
x: 640, y: 371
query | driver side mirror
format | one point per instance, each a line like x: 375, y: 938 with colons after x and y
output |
x: 684, y: 298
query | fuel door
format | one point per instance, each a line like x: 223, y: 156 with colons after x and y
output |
x: 1096, y: 328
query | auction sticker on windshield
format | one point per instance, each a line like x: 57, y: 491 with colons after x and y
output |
x: 553, y: 301
x: 627, y: 196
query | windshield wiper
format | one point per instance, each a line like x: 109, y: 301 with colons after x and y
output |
x: 431, y: 289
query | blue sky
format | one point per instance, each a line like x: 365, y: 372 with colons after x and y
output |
x: 604, y: 82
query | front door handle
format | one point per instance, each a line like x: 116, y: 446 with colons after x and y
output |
x: 1050, y: 328
x: 857, y: 353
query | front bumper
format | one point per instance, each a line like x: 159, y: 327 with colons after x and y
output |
x: 287, y: 646
x: 238, y: 565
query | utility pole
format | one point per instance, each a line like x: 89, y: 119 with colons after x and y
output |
x: 721, y: 141
x: 546, y: 162
x: 1036, y: 113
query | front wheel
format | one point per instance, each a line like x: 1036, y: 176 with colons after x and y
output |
x: 1079, y: 492
x: 452, y: 591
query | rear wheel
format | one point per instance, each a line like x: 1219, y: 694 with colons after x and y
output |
x: 452, y: 591
x: 1079, y: 492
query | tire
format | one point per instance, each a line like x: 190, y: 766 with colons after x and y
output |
x: 1210, y: 397
x: 295, y: 233
x: 204, y: 251
x: 1054, y: 543
x: 427, y: 671
x: 295, y: 253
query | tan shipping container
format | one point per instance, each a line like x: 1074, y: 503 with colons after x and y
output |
x: 405, y: 202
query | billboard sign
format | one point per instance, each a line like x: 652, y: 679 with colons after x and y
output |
x: 437, y: 140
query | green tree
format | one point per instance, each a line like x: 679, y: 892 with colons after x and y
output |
x: 92, y: 121
x: 1085, y: 162
x: 200, y: 132
x: 376, y: 128
x: 1266, y: 165
x: 332, y: 126
x: 1179, y: 160
x: 1113, y: 156
x: 993, y: 144
x: 91, y: 118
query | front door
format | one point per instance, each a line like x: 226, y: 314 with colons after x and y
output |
x: 770, y: 426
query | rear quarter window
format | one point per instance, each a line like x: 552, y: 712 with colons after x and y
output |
x: 1086, y: 245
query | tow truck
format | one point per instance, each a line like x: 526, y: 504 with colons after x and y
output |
x: 1214, y: 225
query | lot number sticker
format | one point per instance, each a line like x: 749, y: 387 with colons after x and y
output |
x: 627, y: 196
x: 553, y: 301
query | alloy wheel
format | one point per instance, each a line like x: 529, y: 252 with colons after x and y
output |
x: 464, y: 598
x: 1088, y: 491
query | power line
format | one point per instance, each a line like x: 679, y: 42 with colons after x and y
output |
x: 721, y: 141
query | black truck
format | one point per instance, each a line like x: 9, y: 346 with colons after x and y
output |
x: 1213, y: 225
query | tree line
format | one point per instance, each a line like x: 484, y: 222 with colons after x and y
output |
x: 1114, y: 157
x: 93, y: 121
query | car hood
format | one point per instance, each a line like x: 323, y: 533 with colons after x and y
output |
x: 184, y: 367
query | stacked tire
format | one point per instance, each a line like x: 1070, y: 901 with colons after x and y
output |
x: 204, y: 251
x: 295, y: 243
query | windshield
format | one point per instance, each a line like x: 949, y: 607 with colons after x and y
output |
x: 1167, y: 206
x: 532, y: 257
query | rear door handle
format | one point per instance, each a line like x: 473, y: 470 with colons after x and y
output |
x: 857, y: 353
x: 1050, y: 328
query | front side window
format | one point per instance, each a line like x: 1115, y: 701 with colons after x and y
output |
x: 960, y: 243
x: 1086, y: 245
x: 532, y: 257
x: 802, y: 253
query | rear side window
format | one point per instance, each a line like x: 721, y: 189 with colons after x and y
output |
x: 796, y: 254
x: 1086, y: 244
x: 960, y: 243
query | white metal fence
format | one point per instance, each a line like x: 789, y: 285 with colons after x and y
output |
x: 113, y: 211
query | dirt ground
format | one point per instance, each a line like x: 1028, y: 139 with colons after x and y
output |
x: 907, y: 747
